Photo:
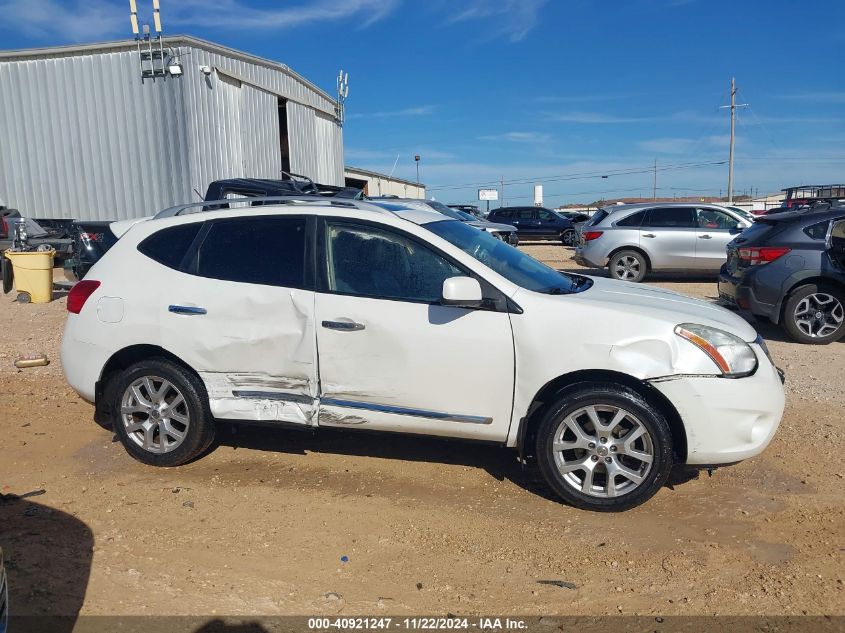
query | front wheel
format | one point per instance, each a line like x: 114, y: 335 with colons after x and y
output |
x: 604, y: 447
x: 569, y: 238
x: 161, y: 414
x: 815, y: 314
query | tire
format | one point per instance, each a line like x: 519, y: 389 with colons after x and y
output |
x: 191, y: 417
x: 569, y: 238
x: 815, y: 314
x: 7, y: 272
x: 574, y: 408
x: 628, y: 265
x: 24, y: 297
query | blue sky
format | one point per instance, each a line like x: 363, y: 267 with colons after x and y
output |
x: 557, y: 92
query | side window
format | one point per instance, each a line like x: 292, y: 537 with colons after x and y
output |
x: 370, y: 262
x: 505, y: 215
x: 670, y: 217
x: 255, y: 250
x: 635, y: 219
x: 169, y: 246
x: 546, y: 216
x: 526, y: 213
x: 714, y: 219
x: 817, y: 231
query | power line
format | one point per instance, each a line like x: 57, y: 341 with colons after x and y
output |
x: 580, y: 175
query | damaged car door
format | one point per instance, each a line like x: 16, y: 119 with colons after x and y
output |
x: 241, y: 314
x: 392, y: 356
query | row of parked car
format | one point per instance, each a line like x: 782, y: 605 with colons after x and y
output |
x: 395, y: 315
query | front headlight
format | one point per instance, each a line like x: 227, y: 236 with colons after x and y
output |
x: 733, y: 356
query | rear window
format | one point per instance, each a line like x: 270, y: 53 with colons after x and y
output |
x: 755, y: 232
x: 268, y: 251
x: 635, y: 219
x: 169, y: 246
x: 598, y: 216
x: 817, y: 231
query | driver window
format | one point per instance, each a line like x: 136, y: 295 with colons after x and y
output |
x: 370, y: 262
x: 715, y: 220
x: 546, y: 215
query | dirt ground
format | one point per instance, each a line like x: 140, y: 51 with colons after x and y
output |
x: 259, y: 526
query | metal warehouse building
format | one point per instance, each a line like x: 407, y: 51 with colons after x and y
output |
x: 124, y: 129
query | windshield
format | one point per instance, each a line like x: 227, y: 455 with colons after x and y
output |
x: 743, y: 213
x: 506, y: 260
x: 442, y: 208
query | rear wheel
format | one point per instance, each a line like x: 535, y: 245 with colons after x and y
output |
x: 569, y: 237
x: 604, y: 447
x: 161, y: 413
x: 815, y: 314
x: 628, y: 266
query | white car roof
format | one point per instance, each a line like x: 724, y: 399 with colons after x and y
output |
x: 347, y: 208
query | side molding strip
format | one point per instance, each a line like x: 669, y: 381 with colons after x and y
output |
x: 420, y: 413
x: 274, y: 395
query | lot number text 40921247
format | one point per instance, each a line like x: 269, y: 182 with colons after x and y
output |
x: 418, y: 624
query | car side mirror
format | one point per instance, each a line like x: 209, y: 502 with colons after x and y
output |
x: 461, y: 292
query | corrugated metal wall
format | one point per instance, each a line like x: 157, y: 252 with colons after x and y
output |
x: 316, y: 149
x: 81, y: 136
x: 315, y: 139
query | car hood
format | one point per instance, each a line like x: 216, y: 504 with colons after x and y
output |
x: 491, y: 226
x: 666, y: 305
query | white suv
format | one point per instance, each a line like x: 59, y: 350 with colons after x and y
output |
x: 329, y: 314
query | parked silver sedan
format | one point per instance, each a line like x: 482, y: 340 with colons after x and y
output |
x: 634, y: 239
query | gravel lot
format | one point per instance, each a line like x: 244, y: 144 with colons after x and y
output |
x: 428, y: 526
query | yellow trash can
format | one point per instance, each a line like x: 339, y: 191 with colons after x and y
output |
x: 33, y: 274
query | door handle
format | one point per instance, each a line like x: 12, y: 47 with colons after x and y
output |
x: 705, y: 237
x: 186, y: 310
x: 649, y: 235
x: 345, y: 326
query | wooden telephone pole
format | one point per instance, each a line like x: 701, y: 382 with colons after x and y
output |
x: 733, y: 106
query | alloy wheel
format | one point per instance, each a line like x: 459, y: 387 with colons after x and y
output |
x: 155, y: 414
x: 819, y: 315
x: 603, y: 451
x: 570, y: 238
x: 627, y: 267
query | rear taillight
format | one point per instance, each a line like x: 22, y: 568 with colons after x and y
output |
x: 79, y: 294
x: 751, y: 256
x: 4, y: 226
x: 589, y: 236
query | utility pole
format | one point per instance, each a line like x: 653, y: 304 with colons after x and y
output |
x: 654, y: 189
x: 733, y: 108
x: 503, y: 192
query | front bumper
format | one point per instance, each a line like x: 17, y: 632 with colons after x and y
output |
x: 727, y: 420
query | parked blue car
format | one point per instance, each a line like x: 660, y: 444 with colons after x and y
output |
x: 789, y: 268
x: 536, y: 223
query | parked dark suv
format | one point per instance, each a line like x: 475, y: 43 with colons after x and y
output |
x: 789, y: 267
x: 536, y: 223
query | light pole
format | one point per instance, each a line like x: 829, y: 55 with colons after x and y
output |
x: 417, y: 161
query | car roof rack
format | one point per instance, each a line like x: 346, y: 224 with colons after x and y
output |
x: 315, y: 200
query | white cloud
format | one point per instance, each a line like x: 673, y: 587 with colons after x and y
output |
x: 235, y: 14
x: 817, y: 97
x: 518, y: 137
x: 405, y: 112
x: 515, y: 18
x: 86, y: 20
x: 78, y: 21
